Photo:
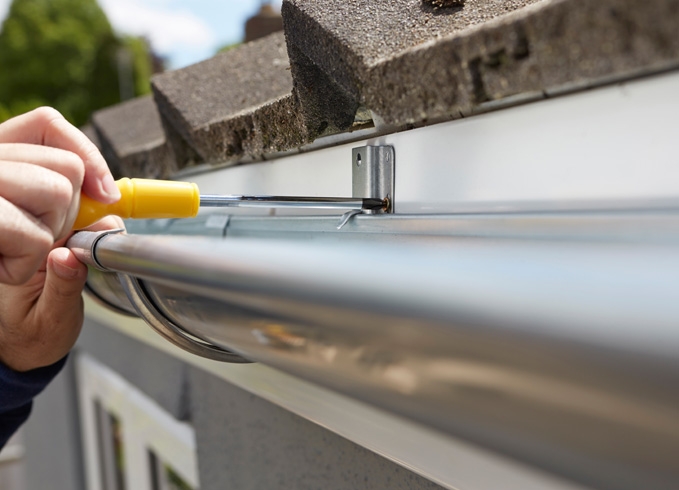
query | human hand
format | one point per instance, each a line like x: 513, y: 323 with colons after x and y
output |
x: 41, y: 319
x: 45, y: 162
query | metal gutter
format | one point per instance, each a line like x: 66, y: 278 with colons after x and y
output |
x: 450, y: 462
x: 523, y: 298
x: 551, y: 353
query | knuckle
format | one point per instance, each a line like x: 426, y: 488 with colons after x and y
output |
x: 56, y: 201
x: 74, y: 168
x: 62, y: 192
x: 90, y: 151
x: 46, y: 115
x: 25, y: 243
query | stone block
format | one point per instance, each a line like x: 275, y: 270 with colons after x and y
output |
x: 237, y: 105
x: 132, y: 140
x: 417, y: 61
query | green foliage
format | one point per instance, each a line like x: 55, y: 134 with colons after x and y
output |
x: 63, y: 53
x: 228, y: 47
x: 141, y: 64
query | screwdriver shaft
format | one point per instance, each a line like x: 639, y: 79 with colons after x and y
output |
x: 340, y: 203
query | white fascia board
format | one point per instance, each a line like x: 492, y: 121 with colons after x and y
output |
x: 607, y: 148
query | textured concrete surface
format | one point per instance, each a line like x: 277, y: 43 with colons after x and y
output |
x: 132, y: 140
x: 406, y: 62
x: 412, y: 62
x: 347, y: 41
x: 247, y: 443
x: 238, y: 103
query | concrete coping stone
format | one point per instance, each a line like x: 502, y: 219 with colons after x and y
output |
x: 132, y: 139
x: 237, y: 104
x: 413, y: 62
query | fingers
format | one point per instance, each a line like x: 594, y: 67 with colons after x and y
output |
x: 25, y: 241
x: 107, y: 223
x: 61, y: 161
x: 47, y: 127
x: 40, y: 191
x: 64, y: 164
x: 49, y: 196
x: 42, y: 320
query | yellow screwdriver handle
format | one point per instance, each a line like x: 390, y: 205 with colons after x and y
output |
x: 143, y: 198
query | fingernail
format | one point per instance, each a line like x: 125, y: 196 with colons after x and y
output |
x: 110, y: 188
x: 64, y: 271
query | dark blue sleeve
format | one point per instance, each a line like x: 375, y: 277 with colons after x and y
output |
x: 17, y: 391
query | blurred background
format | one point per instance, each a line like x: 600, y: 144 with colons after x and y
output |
x: 82, y: 55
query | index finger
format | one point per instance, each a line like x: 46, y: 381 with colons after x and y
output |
x: 46, y: 126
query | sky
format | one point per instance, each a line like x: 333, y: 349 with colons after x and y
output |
x: 184, y: 31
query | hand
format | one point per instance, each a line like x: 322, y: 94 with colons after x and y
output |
x: 44, y: 164
x: 41, y: 319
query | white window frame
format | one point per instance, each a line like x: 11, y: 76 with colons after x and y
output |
x: 145, y: 426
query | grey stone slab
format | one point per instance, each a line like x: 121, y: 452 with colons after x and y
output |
x: 236, y: 104
x: 132, y: 139
x: 246, y: 442
x: 412, y: 62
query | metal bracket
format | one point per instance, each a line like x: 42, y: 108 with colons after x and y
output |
x: 372, y: 177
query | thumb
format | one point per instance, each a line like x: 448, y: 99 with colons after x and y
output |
x: 50, y: 327
x: 61, y: 295
x: 66, y: 275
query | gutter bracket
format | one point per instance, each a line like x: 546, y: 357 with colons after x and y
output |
x: 372, y: 177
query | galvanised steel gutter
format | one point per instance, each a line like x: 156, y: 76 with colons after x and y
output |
x: 560, y: 354
x: 523, y: 297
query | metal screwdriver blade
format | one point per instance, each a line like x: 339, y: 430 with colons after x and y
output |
x: 339, y: 203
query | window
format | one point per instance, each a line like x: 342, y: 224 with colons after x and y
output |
x: 164, y: 477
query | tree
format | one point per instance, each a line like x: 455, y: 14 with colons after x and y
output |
x: 64, y: 53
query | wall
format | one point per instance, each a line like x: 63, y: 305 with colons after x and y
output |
x: 243, y: 441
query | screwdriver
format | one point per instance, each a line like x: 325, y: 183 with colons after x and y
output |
x: 153, y: 199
